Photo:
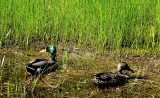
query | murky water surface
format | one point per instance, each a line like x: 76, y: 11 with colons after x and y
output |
x: 74, y: 77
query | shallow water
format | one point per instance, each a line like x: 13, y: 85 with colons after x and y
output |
x: 74, y: 77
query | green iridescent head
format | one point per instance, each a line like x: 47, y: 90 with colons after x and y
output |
x: 51, y: 49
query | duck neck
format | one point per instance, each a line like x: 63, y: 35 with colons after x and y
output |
x: 53, y: 56
x: 120, y: 72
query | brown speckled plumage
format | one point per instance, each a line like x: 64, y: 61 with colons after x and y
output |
x: 110, y: 79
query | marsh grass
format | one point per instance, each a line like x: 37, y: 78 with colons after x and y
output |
x: 75, y: 80
x: 8, y: 90
x: 64, y: 61
x: 98, y: 24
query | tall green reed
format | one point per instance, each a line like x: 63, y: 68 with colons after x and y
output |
x: 8, y: 90
x: 90, y: 23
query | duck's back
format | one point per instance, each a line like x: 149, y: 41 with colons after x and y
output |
x: 108, y: 79
x: 41, y: 65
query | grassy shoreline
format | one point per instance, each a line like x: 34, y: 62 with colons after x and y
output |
x: 73, y: 79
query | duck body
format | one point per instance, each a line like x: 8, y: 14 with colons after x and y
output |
x: 42, y: 66
x: 110, y: 79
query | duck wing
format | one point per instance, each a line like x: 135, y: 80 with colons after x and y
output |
x: 37, y: 60
x: 34, y: 65
x: 104, y: 76
x: 38, y: 63
x: 41, y: 64
x: 108, y: 79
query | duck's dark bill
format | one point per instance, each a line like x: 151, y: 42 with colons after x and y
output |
x: 44, y: 50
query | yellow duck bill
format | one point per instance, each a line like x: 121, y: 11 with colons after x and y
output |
x: 44, y: 50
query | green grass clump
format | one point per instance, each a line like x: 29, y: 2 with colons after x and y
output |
x: 95, y: 23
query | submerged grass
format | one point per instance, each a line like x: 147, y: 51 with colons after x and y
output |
x: 99, y: 24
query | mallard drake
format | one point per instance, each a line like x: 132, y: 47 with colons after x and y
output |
x: 110, y: 79
x: 42, y: 66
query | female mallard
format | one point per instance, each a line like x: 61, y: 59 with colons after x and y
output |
x: 41, y: 66
x: 109, y: 79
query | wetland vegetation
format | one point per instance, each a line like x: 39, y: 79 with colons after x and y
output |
x: 91, y: 36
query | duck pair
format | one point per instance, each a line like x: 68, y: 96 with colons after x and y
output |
x: 106, y: 79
